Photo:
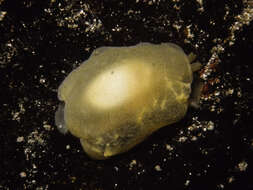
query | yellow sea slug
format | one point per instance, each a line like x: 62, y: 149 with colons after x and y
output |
x: 121, y: 95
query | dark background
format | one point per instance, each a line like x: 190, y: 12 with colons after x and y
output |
x: 42, y: 41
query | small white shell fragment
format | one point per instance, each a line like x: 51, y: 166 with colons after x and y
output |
x: 121, y: 95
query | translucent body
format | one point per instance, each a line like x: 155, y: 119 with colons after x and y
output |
x: 120, y: 95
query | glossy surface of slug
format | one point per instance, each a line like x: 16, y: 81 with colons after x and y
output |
x: 120, y: 95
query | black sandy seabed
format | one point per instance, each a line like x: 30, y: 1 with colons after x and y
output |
x: 41, y: 41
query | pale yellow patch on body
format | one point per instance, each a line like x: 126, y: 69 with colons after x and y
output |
x: 118, y: 85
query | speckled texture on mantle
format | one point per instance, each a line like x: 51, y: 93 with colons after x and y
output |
x: 42, y: 41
